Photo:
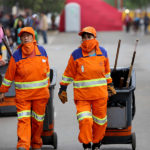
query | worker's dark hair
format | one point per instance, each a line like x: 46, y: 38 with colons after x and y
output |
x: 84, y: 33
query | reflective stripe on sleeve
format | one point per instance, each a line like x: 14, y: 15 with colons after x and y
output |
x: 90, y: 83
x: 107, y: 76
x: 6, y: 82
x: 25, y: 113
x: 83, y: 115
x: 100, y: 121
x: 66, y: 79
x: 32, y: 85
x: 38, y: 117
x: 48, y: 74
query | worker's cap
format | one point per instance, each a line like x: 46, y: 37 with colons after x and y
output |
x: 34, y: 15
x: 28, y: 30
x: 88, y: 29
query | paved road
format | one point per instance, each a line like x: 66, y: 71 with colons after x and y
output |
x: 59, y: 49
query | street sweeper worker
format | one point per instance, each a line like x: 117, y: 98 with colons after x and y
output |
x: 88, y: 68
x: 29, y: 69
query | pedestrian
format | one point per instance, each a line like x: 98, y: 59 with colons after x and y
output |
x: 29, y: 69
x: 127, y: 22
x: 136, y: 23
x: 88, y: 69
x: 146, y: 23
x: 2, y: 62
x: 11, y: 41
x: 44, y: 27
x: 20, y: 25
x: 35, y: 25
x: 1, y: 42
x: 36, y: 22
x: 29, y: 20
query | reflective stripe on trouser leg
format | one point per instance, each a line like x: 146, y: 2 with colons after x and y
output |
x: 99, y: 108
x: 24, y: 123
x: 85, y: 120
x: 38, y: 113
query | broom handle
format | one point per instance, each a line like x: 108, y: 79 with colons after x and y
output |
x: 117, y: 54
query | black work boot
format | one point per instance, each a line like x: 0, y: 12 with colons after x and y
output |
x: 21, y: 148
x: 87, y: 146
x: 96, y: 146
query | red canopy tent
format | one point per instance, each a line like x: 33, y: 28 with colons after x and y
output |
x: 96, y: 13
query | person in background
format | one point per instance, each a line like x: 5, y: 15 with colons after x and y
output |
x: 20, y: 25
x: 29, y: 20
x: 146, y: 23
x: 136, y: 23
x: 88, y: 68
x: 35, y: 22
x: 1, y: 42
x: 44, y: 27
x: 127, y: 22
x: 10, y: 40
x: 35, y: 25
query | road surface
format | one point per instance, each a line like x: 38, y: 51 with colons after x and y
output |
x: 59, y: 48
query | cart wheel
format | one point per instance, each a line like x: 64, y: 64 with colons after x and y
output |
x: 55, y: 140
x: 133, y: 140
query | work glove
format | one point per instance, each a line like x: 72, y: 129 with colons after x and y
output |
x: 2, y: 62
x: 111, y: 89
x: 63, y: 94
x: 2, y: 97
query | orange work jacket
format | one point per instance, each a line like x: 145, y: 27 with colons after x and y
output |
x: 30, y: 75
x: 89, y: 74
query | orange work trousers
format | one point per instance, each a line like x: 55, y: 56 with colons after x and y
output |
x: 30, y: 122
x: 92, y: 117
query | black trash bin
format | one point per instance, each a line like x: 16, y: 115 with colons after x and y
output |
x: 121, y: 110
x: 49, y: 137
x: 8, y: 107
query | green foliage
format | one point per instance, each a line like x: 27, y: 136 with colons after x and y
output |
x: 111, y: 2
x: 136, y: 3
x: 53, y: 6
x: 132, y: 4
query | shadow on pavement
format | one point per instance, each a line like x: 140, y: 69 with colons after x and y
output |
x: 43, y: 148
x: 113, y: 147
x: 116, y: 148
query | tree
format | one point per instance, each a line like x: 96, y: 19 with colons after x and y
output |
x: 53, y: 6
x: 132, y: 4
x: 136, y: 3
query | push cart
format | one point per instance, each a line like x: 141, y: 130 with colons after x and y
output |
x: 121, y: 110
x: 8, y: 108
x: 49, y: 136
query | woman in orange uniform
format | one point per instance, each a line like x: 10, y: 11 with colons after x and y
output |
x: 29, y: 69
x: 88, y: 68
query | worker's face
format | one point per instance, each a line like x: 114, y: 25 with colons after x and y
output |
x: 26, y: 37
x: 87, y: 36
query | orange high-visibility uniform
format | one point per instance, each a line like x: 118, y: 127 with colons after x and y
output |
x: 90, y: 76
x: 31, y: 78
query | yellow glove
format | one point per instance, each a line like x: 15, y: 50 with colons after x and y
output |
x: 63, y: 94
x: 111, y: 90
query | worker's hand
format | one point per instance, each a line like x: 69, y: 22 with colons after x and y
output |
x: 111, y: 89
x: 63, y: 94
x: 2, y: 97
x: 2, y: 62
x: 63, y: 97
